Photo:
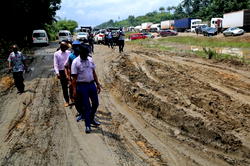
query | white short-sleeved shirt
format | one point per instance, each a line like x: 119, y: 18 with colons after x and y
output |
x: 83, y: 69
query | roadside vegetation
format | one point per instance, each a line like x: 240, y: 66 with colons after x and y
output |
x: 53, y: 29
x: 21, y: 19
x: 206, y: 42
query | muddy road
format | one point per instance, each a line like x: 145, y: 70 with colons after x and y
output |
x: 156, y: 108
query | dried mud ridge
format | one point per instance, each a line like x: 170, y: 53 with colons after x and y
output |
x: 171, y: 93
x: 30, y: 127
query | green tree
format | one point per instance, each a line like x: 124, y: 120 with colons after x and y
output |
x: 26, y: 15
x: 162, y: 9
x: 187, y: 5
x: 70, y: 25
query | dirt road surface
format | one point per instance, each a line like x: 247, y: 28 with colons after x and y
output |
x: 155, y: 109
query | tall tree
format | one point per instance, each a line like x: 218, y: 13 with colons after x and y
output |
x: 162, y: 9
x: 188, y: 6
x: 25, y: 15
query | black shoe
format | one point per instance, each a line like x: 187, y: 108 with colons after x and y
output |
x: 95, y: 123
x: 88, y: 130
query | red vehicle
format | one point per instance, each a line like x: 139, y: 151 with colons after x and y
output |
x: 135, y: 36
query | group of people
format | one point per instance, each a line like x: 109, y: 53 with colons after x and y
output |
x: 76, y: 72
x: 119, y: 39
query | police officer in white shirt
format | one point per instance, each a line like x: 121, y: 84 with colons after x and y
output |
x: 86, y: 86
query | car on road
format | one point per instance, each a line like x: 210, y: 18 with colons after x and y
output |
x: 99, y: 37
x: 40, y: 37
x: 135, y: 36
x: 149, y: 35
x: 233, y: 31
x: 82, y: 35
x: 65, y: 35
x: 210, y: 31
x: 164, y: 33
x: 201, y: 28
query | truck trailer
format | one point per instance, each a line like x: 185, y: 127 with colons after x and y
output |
x: 146, y: 26
x: 240, y: 19
x: 182, y: 25
x: 168, y: 24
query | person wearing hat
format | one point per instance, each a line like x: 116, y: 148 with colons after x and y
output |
x: 72, y: 56
x: 60, y: 58
x: 86, y: 86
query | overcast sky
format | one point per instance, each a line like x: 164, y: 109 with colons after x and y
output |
x: 95, y: 12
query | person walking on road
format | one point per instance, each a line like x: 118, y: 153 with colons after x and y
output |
x: 68, y: 64
x: 121, y: 40
x: 17, y: 66
x: 110, y: 39
x: 91, y: 41
x: 60, y: 58
x: 86, y: 86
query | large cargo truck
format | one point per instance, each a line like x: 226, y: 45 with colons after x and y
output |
x: 182, y: 25
x: 146, y: 26
x: 155, y: 27
x: 240, y: 19
x: 168, y: 24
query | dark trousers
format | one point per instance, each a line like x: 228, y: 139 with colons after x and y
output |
x: 87, y: 92
x: 92, y: 47
x: 110, y: 43
x: 121, y: 45
x: 18, y: 79
x: 64, y: 83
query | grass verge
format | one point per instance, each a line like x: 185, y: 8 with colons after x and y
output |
x: 205, y: 41
x: 209, y: 54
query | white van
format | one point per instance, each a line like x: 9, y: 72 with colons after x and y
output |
x: 40, y: 37
x: 65, y: 35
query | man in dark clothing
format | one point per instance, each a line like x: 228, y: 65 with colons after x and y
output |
x: 121, y: 40
x: 91, y: 42
x: 17, y: 65
x: 110, y: 39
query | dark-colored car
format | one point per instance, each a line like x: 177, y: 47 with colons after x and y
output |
x: 200, y: 29
x: 210, y: 31
x: 165, y: 33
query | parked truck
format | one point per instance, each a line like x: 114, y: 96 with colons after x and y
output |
x: 146, y: 26
x: 182, y: 25
x: 240, y: 19
x: 168, y: 24
x: 155, y: 27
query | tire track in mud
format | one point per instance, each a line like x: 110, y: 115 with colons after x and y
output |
x: 131, y: 148
x: 34, y: 131
x: 216, y: 88
x: 22, y: 137
x: 227, y: 79
x: 128, y: 79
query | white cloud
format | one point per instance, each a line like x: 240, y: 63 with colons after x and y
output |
x: 94, y: 12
